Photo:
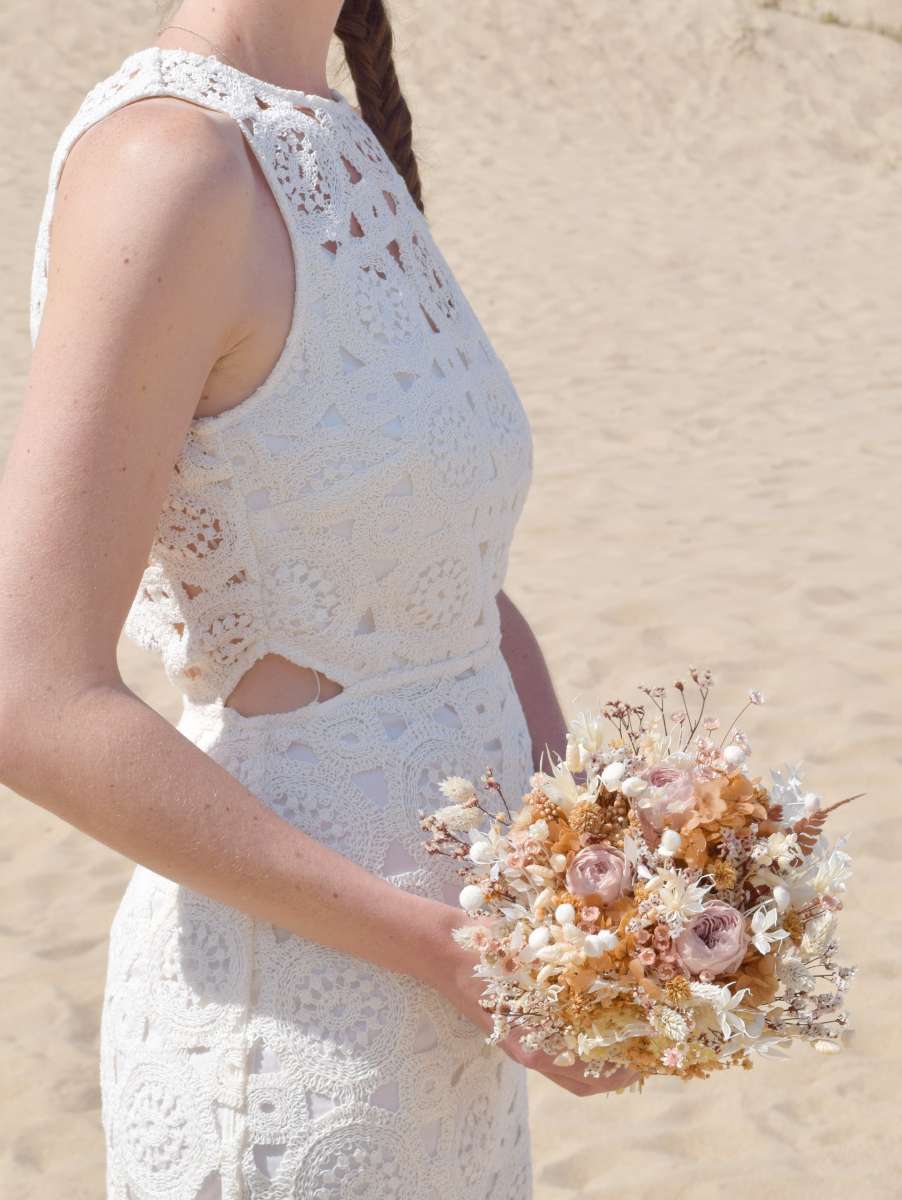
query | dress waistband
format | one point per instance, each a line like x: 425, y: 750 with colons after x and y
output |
x: 218, y: 714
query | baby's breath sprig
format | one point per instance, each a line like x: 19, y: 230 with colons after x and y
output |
x: 489, y: 781
x: 704, y: 681
x: 657, y: 696
x: 627, y: 719
x: 755, y: 698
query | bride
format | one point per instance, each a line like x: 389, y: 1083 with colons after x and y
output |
x: 266, y: 435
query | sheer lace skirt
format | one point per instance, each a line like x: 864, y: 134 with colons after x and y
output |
x: 241, y: 1061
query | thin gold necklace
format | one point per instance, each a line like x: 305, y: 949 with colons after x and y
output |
x: 185, y: 29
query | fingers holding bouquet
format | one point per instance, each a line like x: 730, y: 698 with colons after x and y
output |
x: 464, y: 988
x: 651, y: 907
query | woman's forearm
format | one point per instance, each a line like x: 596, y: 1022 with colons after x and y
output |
x: 529, y: 671
x: 111, y: 766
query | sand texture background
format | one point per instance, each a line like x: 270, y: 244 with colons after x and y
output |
x: 681, y: 224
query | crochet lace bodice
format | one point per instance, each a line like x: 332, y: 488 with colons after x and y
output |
x: 354, y: 513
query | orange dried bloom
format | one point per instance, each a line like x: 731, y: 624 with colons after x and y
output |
x: 793, y: 925
x: 759, y: 974
x: 678, y: 991
x: 724, y: 874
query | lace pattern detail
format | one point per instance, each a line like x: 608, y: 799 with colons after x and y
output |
x: 326, y: 1075
x: 388, y: 439
x: 353, y: 514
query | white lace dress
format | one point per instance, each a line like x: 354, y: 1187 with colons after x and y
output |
x: 353, y: 514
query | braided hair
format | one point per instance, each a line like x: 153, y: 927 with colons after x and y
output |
x: 364, y: 29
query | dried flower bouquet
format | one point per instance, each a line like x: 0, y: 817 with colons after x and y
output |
x: 652, y: 904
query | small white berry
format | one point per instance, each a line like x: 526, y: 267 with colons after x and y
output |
x: 472, y: 897
x: 633, y: 787
x: 670, y: 843
x: 600, y: 943
x: 612, y: 774
x: 540, y: 937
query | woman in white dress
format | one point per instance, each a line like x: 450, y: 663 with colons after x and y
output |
x: 265, y: 432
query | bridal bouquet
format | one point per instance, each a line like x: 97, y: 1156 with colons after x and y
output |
x: 652, y: 904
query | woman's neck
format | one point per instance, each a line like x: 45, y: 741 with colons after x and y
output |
x: 285, y: 42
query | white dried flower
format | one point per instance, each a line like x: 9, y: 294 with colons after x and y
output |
x: 675, y: 895
x: 457, y: 789
x: 588, y: 729
x: 573, y: 757
x: 482, y: 852
x: 793, y: 974
x: 565, y: 914
x: 600, y: 943
x: 832, y: 873
x: 668, y: 1022
x: 469, y: 936
x: 734, y: 756
x: 562, y: 788
x: 722, y: 1005
x: 633, y: 787
x: 818, y: 934
x: 781, y: 849
x: 458, y: 818
x: 787, y: 792
x: 827, y: 1047
x: 765, y: 930
x: 670, y: 843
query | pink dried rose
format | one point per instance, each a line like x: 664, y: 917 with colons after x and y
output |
x: 599, y: 871
x: 672, y: 802
x: 714, y: 942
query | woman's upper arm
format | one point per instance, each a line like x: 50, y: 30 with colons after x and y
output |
x: 150, y: 220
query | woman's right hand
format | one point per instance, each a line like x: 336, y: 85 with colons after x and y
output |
x: 463, y: 989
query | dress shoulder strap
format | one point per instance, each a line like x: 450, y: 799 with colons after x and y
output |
x: 291, y: 133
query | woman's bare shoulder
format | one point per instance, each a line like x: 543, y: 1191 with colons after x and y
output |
x: 142, y: 297
x: 154, y: 206
x: 164, y: 135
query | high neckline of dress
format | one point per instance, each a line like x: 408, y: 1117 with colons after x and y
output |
x: 292, y: 95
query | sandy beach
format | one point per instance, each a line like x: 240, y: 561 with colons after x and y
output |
x: 680, y: 225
